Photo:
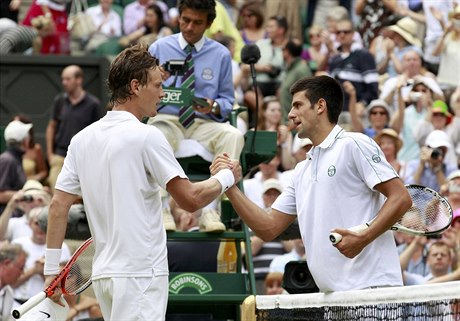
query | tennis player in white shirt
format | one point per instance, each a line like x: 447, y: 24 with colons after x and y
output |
x: 118, y: 165
x: 345, y: 181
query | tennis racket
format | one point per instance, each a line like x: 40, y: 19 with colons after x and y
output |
x: 430, y: 214
x: 74, y: 278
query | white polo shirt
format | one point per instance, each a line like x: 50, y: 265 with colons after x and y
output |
x: 118, y: 164
x: 333, y: 188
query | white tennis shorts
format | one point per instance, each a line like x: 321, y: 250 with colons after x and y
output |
x: 132, y: 299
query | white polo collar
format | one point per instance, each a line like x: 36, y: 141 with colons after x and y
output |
x: 198, y: 45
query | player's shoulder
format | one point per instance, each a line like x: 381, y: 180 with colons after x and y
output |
x: 355, y: 139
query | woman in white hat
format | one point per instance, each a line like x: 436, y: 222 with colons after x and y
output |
x: 448, y: 48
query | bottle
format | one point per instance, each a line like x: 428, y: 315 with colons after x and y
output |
x: 226, y: 257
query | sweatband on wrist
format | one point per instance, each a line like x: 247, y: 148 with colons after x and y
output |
x: 52, y: 259
x: 225, y: 178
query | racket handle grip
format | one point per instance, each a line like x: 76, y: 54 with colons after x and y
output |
x: 28, y: 305
x: 336, y: 237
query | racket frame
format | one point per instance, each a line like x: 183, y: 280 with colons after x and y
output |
x: 59, y: 279
x: 336, y: 237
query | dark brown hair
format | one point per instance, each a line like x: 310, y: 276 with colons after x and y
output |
x: 132, y: 63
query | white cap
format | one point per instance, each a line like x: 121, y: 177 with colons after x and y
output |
x: 298, y: 143
x: 454, y: 174
x: 272, y: 183
x: 437, y: 138
x: 32, y: 187
x: 17, y: 131
x: 47, y: 310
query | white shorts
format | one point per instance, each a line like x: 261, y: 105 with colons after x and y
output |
x: 132, y: 299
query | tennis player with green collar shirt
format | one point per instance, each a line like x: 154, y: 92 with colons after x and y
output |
x: 118, y: 165
x: 345, y: 181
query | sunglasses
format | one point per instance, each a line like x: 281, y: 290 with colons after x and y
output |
x: 345, y: 32
x: 378, y: 113
x: 314, y: 35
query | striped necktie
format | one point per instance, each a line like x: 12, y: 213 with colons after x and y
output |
x: 186, y: 113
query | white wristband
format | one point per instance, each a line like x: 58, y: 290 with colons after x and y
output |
x: 52, y: 259
x: 225, y: 178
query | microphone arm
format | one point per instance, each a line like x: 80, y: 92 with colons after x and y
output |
x: 254, y: 84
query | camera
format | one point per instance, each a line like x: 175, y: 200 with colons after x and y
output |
x: 27, y: 199
x: 415, y: 96
x: 436, y: 153
x: 174, y: 66
x: 298, y: 279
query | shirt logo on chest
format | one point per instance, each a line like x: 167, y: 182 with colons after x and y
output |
x: 207, y: 74
x: 331, y: 171
x: 376, y: 159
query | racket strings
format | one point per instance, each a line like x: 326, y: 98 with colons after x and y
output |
x: 79, y: 276
x: 427, y: 214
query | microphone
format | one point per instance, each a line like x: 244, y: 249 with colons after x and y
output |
x: 250, y: 55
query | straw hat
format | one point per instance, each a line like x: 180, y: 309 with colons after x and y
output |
x: 407, y: 28
x: 390, y: 132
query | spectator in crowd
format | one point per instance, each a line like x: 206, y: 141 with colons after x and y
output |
x: 316, y: 53
x: 439, y: 260
x: 390, y: 143
x: 253, y: 187
x: 451, y: 190
x: 12, y: 176
x: 297, y: 253
x: 432, y: 17
x: 154, y: 28
x: 437, y: 118
x: 296, y: 69
x: 223, y: 25
x: 271, y: 119
x: 72, y: 110
x: 273, y: 283
x: 33, y: 161
x: 412, y: 69
x: 211, y: 81
x: 20, y: 39
x: 263, y: 253
x: 107, y: 22
x: 378, y: 113
x: 252, y: 22
x: 134, y: 14
x: 32, y: 195
x: 403, y: 37
x: 57, y: 41
x: 413, y: 260
x: 317, y: 103
x: 271, y: 62
x: 447, y: 50
x: 432, y: 168
x: 374, y: 17
x: 12, y: 261
x: 32, y: 280
x: 406, y: 118
x: 356, y: 66
x: 333, y: 17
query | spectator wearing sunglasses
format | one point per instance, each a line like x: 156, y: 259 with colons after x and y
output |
x: 354, y: 65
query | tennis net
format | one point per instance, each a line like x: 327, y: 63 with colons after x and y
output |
x: 434, y: 302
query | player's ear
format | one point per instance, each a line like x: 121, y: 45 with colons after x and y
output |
x: 321, y: 106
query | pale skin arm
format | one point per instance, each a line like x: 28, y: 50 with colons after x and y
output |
x: 57, y: 224
x: 7, y: 212
x: 194, y: 196
x: 397, y: 122
x: 356, y: 123
x: 50, y: 133
x: 406, y: 255
x: 397, y: 203
x: 266, y: 226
